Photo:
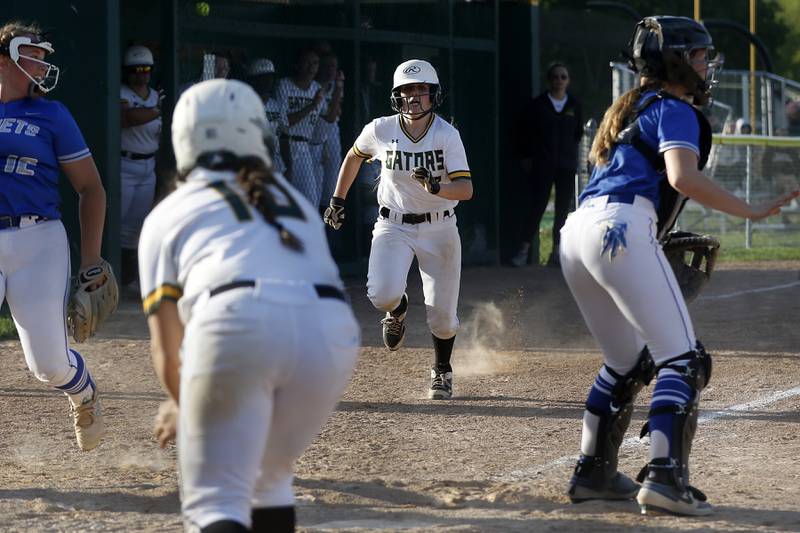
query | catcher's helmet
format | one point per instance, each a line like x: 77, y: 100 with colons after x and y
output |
x: 415, y: 71
x: 661, y: 48
x: 136, y: 56
x: 9, y: 46
x: 216, y: 117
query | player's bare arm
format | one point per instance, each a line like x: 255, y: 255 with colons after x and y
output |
x: 85, y: 179
x: 347, y: 173
x: 137, y: 116
x: 457, y: 190
x: 683, y: 175
x: 166, y: 332
x: 301, y: 113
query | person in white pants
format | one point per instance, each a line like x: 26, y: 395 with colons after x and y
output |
x: 648, y: 154
x: 139, y: 138
x: 424, y: 175
x: 253, y: 337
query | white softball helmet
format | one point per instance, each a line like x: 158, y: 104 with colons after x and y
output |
x: 137, y: 55
x: 47, y: 81
x: 415, y: 71
x: 218, y: 115
x: 260, y: 67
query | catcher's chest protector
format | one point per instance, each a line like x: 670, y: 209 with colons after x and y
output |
x: 670, y: 201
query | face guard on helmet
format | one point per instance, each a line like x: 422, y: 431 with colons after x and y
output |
x: 662, y: 48
x: 412, y: 72
x: 218, y: 118
x: 48, y: 80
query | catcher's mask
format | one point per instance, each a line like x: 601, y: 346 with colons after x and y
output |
x: 10, y: 44
x: 411, y: 72
x: 661, y: 48
x: 219, y: 116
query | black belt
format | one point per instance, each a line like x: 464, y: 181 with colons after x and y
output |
x: 134, y: 155
x: 7, y: 221
x: 323, y: 291
x: 619, y: 198
x: 411, y: 218
x: 298, y: 138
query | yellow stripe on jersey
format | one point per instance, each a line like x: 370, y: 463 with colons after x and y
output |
x: 164, y: 292
x: 360, y: 154
x: 459, y: 175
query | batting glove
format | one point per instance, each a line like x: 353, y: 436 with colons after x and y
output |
x: 426, y: 179
x: 334, y: 214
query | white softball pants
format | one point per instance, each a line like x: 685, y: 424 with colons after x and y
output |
x: 306, y: 174
x: 262, y: 370
x: 437, y: 247
x: 631, y: 299
x: 34, y: 279
x: 136, y: 197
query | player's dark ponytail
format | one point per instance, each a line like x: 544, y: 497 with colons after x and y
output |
x: 255, y: 177
x: 616, y: 119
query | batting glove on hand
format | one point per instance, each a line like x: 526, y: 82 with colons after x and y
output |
x: 334, y: 214
x: 426, y: 179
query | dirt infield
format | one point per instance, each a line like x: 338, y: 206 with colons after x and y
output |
x: 495, y: 458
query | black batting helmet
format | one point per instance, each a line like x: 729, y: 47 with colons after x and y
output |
x: 661, y: 48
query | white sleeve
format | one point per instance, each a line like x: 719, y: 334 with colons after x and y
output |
x: 366, y: 145
x: 158, y: 272
x: 456, y: 157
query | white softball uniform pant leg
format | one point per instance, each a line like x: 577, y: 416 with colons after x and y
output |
x: 438, y: 249
x: 262, y: 371
x: 306, y: 171
x: 632, y: 298
x: 136, y: 198
x: 34, y: 278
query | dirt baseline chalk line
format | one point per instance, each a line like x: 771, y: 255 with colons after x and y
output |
x: 631, y: 442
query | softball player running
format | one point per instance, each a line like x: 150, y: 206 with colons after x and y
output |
x: 424, y: 175
x: 648, y: 152
x: 39, y: 138
x: 251, y: 331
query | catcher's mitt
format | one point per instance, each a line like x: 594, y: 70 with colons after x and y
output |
x: 692, y: 273
x: 89, y: 305
x: 426, y: 179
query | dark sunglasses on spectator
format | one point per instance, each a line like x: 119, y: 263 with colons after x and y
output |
x: 140, y: 69
x: 559, y: 77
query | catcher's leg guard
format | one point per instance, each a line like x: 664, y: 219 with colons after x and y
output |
x: 596, y: 475
x: 666, y: 479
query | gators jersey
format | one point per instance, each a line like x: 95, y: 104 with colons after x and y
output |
x: 439, y: 149
x: 36, y: 137
x: 666, y: 124
x: 205, y: 234
x: 296, y: 99
x: 144, y: 138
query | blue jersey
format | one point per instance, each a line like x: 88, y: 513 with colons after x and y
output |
x: 36, y: 136
x: 667, y: 123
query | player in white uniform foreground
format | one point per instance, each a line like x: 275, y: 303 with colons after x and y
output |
x: 39, y: 138
x: 626, y: 290
x: 424, y: 175
x: 252, y: 334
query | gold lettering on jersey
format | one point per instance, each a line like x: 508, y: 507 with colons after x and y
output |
x: 433, y: 160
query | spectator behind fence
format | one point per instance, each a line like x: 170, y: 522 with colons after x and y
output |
x: 261, y: 75
x: 548, y: 134
x: 303, y: 96
x: 140, y: 121
x: 326, y: 143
